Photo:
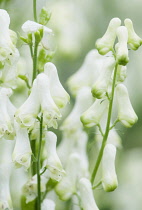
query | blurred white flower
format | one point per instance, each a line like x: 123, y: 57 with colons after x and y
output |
x: 105, y: 44
x: 126, y: 113
x: 86, y: 195
x: 58, y: 93
x: 109, y: 177
x: 122, y: 57
x: 22, y: 151
x: 47, y: 204
x: 100, y: 87
x: 52, y: 162
x: 133, y: 39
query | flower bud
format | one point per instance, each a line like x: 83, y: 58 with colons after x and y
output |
x: 86, y: 195
x: 22, y: 151
x: 58, y: 93
x: 105, y: 44
x: 83, y: 101
x: 122, y: 49
x: 93, y: 115
x: 100, y: 87
x: 109, y: 177
x: 126, y: 114
x: 53, y: 162
x: 47, y: 204
x: 87, y: 73
x: 133, y: 39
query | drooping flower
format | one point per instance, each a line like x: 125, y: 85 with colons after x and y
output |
x: 122, y: 57
x: 105, y: 44
x: 133, y: 39
x: 52, y: 162
x: 22, y: 151
x: 83, y: 101
x: 86, y: 195
x: 109, y: 177
x: 126, y: 113
x: 93, y: 115
x: 100, y: 87
x: 58, y: 93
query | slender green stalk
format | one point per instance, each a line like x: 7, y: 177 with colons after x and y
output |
x: 107, y: 128
x: 33, y: 146
x: 34, y: 10
x: 35, y: 61
x: 38, y: 166
x: 97, y: 185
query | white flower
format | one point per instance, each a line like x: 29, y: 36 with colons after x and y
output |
x: 100, y: 87
x: 109, y: 177
x: 7, y: 111
x: 126, y: 114
x: 122, y: 49
x: 93, y: 115
x: 49, y: 109
x: 47, y: 204
x: 22, y: 151
x: 87, y: 73
x: 83, y: 101
x: 58, y: 93
x: 67, y: 186
x: 133, y: 39
x: 8, y: 51
x: 52, y: 161
x: 105, y: 44
x: 28, y: 112
x: 86, y: 195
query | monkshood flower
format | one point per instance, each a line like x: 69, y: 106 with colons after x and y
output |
x: 31, y: 27
x: 133, y: 39
x: 7, y: 111
x: 22, y: 151
x: 105, y: 44
x: 87, y: 73
x: 126, y: 113
x: 28, y: 112
x: 67, y: 186
x: 100, y: 87
x: 5, y: 198
x: 52, y: 162
x: 121, y: 48
x: 8, y: 51
x: 49, y: 109
x: 30, y: 187
x: 47, y: 204
x: 109, y: 177
x: 58, y: 93
x: 86, y: 195
x: 83, y: 101
x: 93, y: 115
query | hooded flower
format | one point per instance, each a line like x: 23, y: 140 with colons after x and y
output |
x: 87, y: 73
x: 93, y: 115
x: 86, y: 195
x: 100, y: 87
x: 58, y: 93
x: 109, y: 177
x: 22, y: 151
x: 52, y: 162
x: 47, y: 204
x: 83, y: 101
x: 133, y: 39
x: 7, y: 114
x: 105, y: 44
x: 126, y: 113
x: 121, y: 48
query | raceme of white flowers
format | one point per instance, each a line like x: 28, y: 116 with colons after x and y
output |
x: 66, y: 165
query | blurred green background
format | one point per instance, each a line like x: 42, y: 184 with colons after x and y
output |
x: 77, y: 24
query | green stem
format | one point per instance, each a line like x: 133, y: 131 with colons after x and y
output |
x: 33, y: 146
x: 107, y: 128
x: 38, y: 167
x: 34, y: 10
x: 35, y: 61
x: 97, y: 185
